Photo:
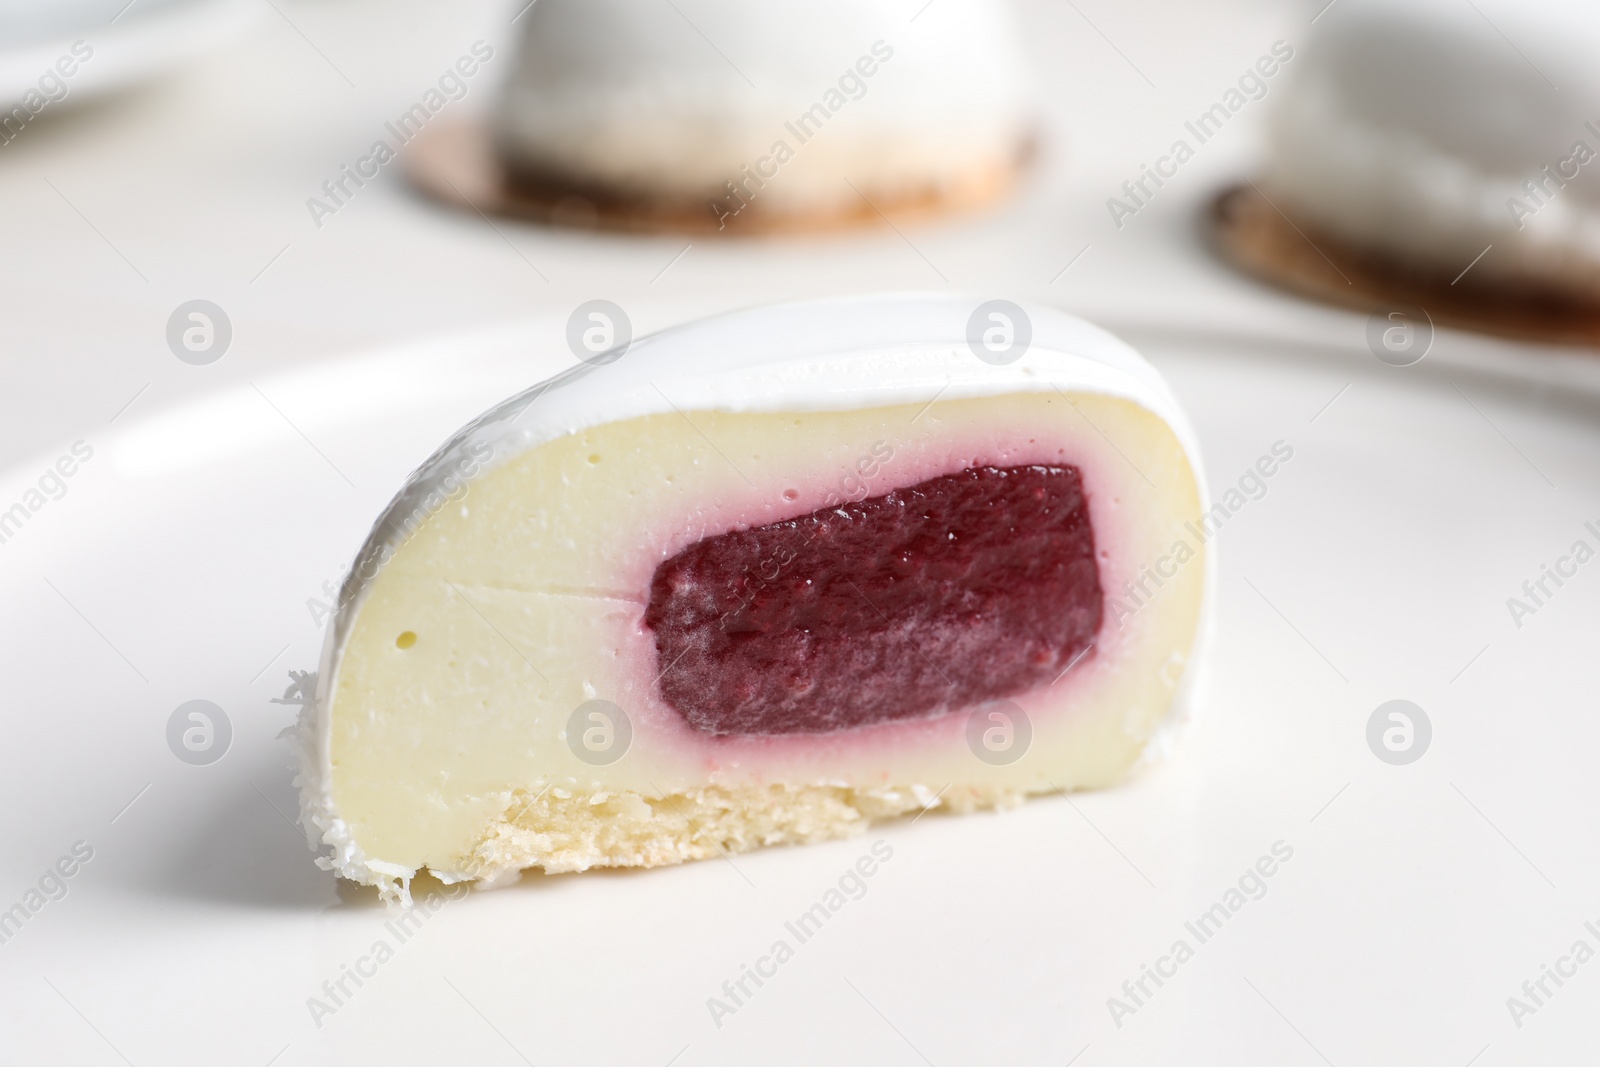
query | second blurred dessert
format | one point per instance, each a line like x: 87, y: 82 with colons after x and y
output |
x: 734, y: 116
x: 1421, y: 157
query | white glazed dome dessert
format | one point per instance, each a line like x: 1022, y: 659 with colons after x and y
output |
x: 745, y: 113
x: 762, y: 580
x: 1419, y: 130
x: 1419, y: 138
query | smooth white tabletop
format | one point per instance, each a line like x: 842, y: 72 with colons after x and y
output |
x: 179, y: 562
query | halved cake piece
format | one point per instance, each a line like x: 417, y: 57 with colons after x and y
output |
x: 763, y: 579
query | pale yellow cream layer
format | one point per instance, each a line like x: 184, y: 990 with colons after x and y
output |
x: 512, y: 606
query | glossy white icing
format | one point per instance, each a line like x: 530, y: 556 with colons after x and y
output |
x: 1425, y: 128
x: 673, y: 100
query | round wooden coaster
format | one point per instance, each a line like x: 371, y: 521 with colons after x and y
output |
x: 1251, y: 233
x: 455, y: 162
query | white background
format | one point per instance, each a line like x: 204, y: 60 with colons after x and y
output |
x: 180, y: 561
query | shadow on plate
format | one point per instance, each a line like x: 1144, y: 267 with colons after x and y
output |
x: 249, y: 852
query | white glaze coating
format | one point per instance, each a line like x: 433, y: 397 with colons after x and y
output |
x: 1413, y: 127
x: 671, y: 101
x: 842, y: 354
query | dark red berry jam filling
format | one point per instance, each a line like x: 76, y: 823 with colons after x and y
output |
x: 957, y: 590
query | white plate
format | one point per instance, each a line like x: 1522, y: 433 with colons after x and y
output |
x: 180, y: 562
x: 130, y: 42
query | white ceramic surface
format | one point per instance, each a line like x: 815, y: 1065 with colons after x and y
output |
x: 179, y: 564
x: 126, y: 44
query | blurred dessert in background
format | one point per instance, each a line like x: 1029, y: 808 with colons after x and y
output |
x: 1438, y: 154
x: 730, y: 116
